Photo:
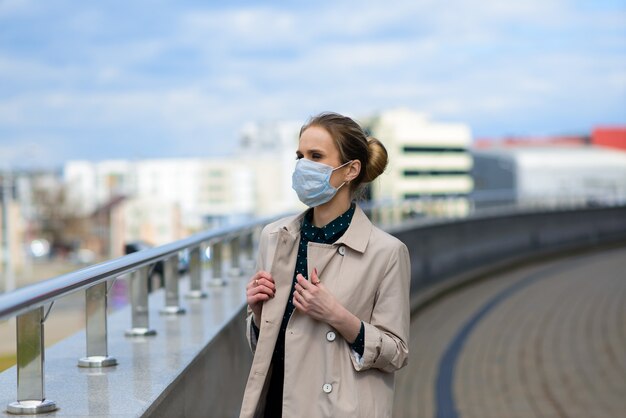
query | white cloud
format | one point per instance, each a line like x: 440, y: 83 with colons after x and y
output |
x: 198, y: 75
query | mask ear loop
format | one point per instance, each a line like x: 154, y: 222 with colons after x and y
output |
x: 337, y: 168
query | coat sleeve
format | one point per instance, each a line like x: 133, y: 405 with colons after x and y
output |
x: 387, y: 333
x: 260, y: 265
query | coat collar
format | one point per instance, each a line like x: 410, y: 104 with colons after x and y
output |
x: 356, y: 236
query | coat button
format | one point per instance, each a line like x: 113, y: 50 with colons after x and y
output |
x: 330, y: 336
x: 327, y: 388
x: 342, y: 250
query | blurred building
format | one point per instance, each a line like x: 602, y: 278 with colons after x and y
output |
x: 207, y: 191
x: 540, y: 172
x: 124, y: 220
x: 159, y: 201
x: 24, y: 232
x: 426, y: 158
x: 531, y: 141
x: 270, y: 147
x: 11, y: 243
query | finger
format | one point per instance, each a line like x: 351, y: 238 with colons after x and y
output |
x: 261, y: 289
x: 314, y: 278
x: 258, y: 298
x: 260, y: 279
x: 261, y: 275
x: 266, y: 283
x: 298, y: 301
x: 303, y: 282
x: 253, y: 280
x: 267, y: 291
x: 298, y: 290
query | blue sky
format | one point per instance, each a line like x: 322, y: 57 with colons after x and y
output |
x: 145, y: 79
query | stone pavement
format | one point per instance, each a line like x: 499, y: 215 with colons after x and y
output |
x: 544, y: 340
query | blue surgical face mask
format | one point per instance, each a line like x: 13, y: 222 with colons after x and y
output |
x: 311, y: 181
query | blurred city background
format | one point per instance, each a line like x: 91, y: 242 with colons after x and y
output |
x: 140, y: 123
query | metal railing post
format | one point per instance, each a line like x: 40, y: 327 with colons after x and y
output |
x: 216, y: 264
x: 30, y: 366
x: 139, y: 304
x: 195, y: 274
x: 235, y: 255
x: 172, y: 301
x: 96, y: 328
x: 248, y: 246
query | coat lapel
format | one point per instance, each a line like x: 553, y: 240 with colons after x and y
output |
x: 282, y: 273
x: 318, y: 256
x: 356, y: 237
x: 358, y: 233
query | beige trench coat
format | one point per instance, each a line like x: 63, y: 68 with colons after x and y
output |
x: 368, y: 271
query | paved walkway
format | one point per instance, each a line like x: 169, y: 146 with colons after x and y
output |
x: 545, y: 340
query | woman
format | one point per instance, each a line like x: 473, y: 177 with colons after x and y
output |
x: 328, y: 309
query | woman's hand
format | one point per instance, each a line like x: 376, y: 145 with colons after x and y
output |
x: 314, y: 299
x: 260, y: 288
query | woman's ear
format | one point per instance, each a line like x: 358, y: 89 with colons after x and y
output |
x: 353, y: 170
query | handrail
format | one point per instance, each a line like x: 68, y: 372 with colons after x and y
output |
x: 27, y: 303
x: 38, y: 294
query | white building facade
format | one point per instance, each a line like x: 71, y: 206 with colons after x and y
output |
x: 426, y: 158
x: 541, y: 172
x: 203, y: 189
x: 270, y: 147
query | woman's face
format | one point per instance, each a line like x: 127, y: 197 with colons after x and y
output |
x: 317, y: 145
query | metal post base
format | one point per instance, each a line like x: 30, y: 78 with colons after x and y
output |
x: 140, y: 332
x: 196, y: 294
x: 31, y: 407
x: 97, y: 361
x: 172, y: 310
x: 217, y: 282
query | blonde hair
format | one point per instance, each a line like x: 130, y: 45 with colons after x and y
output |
x: 353, y: 144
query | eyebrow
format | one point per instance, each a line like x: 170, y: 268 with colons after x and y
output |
x: 312, y: 150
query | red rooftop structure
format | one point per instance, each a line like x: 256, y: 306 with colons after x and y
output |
x: 612, y: 137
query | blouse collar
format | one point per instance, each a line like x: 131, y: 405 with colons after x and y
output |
x: 329, y: 232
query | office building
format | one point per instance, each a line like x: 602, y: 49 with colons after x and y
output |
x: 426, y: 158
x: 525, y: 174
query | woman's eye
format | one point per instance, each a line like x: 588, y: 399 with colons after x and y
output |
x: 316, y: 156
x: 298, y: 156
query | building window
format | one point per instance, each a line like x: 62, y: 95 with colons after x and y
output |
x: 422, y: 195
x: 416, y: 173
x: 420, y: 149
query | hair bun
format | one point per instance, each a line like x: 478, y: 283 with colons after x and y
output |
x: 377, y: 159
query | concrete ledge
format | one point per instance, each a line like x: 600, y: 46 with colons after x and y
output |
x: 442, y: 251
